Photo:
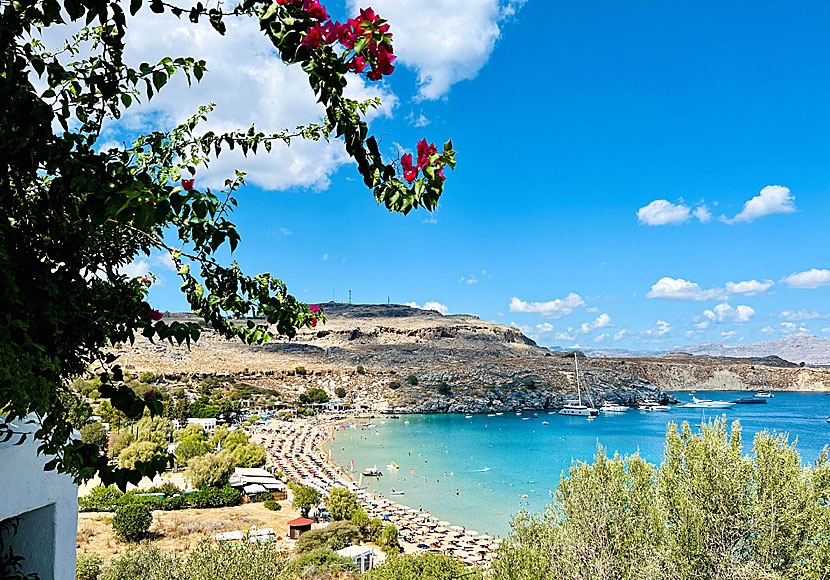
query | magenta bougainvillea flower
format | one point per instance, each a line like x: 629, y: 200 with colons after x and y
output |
x: 314, y: 38
x: 155, y: 315
x: 187, y: 184
x: 314, y: 308
x: 150, y: 394
x: 313, y: 322
x: 410, y: 173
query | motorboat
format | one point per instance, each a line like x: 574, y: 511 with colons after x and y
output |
x: 707, y: 404
x: 577, y: 408
x: 750, y: 401
x: 393, y: 465
x: 372, y: 472
x: 611, y: 408
x: 546, y: 423
x: 468, y: 416
x: 764, y: 395
x: 518, y: 413
x: 653, y: 406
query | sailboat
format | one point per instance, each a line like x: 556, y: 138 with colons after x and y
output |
x: 763, y: 393
x: 576, y: 408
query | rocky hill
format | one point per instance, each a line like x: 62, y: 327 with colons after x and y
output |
x: 797, y: 348
x: 486, y: 366
x: 397, y: 358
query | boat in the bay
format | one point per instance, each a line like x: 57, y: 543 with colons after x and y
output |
x: 653, y: 406
x: 696, y: 403
x: 393, y: 465
x: 764, y: 395
x: 577, y: 408
x: 546, y: 423
x: 372, y: 472
x: 468, y: 416
x: 612, y: 408
x: 753, y: 400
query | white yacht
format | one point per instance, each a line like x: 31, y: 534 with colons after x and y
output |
x: 653, y: 406
x: 576, y: 408
x: 612, y: 408
x: 764, y: 395
x: 707, y: 404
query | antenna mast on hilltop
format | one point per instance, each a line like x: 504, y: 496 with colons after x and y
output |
x: 350, y: 296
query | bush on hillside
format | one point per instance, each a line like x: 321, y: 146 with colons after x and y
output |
x: 122, y: 441
x: 341, y: 503
x: 131, y: 522
x: 444, y: 389
x: 190, y: 447
x: 143, y: 451
x: 412, y: 380
x: 707, y: 511
x: 88, y: 566
x: 388, y: 540
x: 361, y: 370
x: 101, y: 499
x: 272, y: 505
x: 323, y: 561
x: 211, y: 470
x: 394, y: 385
x: 429, y: 565
x: 334, y: 536
x: 340, y: 392
x: 96, y: 434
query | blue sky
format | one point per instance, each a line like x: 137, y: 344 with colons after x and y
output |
x: 619, y: 165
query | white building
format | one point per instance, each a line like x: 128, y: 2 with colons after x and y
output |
x: 46, y: 504
x: 363, y: 556
x: 207, y: 424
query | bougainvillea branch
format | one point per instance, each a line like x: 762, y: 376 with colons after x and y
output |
x: 72, y: 214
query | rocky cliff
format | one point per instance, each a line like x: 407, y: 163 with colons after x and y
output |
x: 396, y: 358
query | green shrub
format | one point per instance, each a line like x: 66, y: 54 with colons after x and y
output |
x: 300, y: 370
x: 131, y: 522
x: 260, y: 497
x: 341, y: 503
x: 100, y: 499
x: 361, y: 370
x: 147, y: 377
x: 323, y: 561
x: 272, y: 505
x: 334, y: 536
x: 444, y: 389
x: 528, y: 382
x: 340, y: 392
x: 122, y: 441
x: 88, y: 566
x: 211, y: 470
x: 412, y: 380
x: 190, y: 447
x: 143, y: 451
x: 394, y: 385
x: 388, y: 540
x: 434, y: 567
x: 211, y: 497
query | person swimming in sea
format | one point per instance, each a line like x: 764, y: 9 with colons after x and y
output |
x: 457, y: 492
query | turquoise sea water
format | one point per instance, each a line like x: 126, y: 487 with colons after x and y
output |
x: 493, y: 461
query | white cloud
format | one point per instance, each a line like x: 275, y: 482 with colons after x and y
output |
x: 791, y: 327
x: 325, y: 256
x: 799, y: 315
x: 621, y: 334
x: 703, y: 214
x: 431, y: 305
x: 725, y: 312
x: 749, y: 287
x: 702, y: 325
x: 661, y: 212
x: 553, y: 308
x: 249, y: 84
x: 773, y: 199
x: 601, y: 338
x: 729, y: 334
x: 660, y: 328
x: 767, y: 330
x: 286, y: 231
x: 566, y: 334
x: 150, y: 264
x: 443, y: 42
x: 813, y: 278
x: 602, y: 321
x: 680, y: 289
x: 544, y: 327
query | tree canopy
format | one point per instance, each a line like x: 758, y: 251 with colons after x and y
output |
x: 74, y: 212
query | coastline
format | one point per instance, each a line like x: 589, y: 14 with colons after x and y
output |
x: 314, y: 466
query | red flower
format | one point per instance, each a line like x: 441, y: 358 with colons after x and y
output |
x: 424, y: 152
x: 187, y: 184
x: 150, y: 394
x: 357, y: 64
x: 155, y: 315
x: 313, y: 322
x: 145, y: 281
x: 314, y: 308
x: 315, y: 9
x: 409, y: 172
x: 314, y: 38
